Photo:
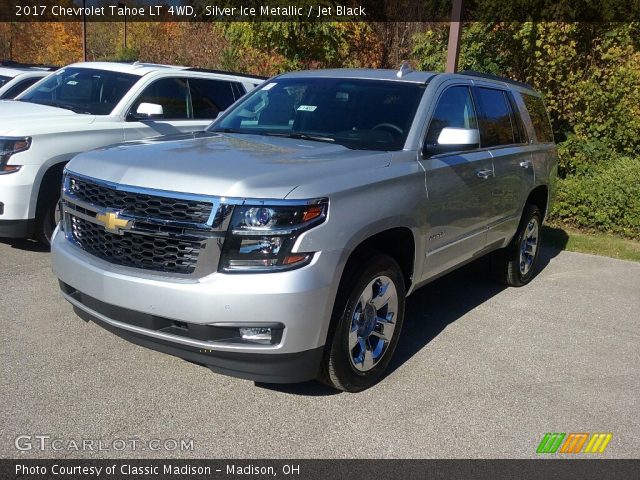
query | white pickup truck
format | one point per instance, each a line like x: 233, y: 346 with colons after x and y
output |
x: 90, y: 105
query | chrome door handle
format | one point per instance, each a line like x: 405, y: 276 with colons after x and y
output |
x: 526, y: 164
x: 484, y: 173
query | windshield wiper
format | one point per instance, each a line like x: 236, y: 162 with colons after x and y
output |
x: 230, y: 130
x: 298, y: 135
x: 301, y: 136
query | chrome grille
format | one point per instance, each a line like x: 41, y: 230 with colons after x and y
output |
x: 140, y: 204
x: 171, y: 255
x: 172, y: 233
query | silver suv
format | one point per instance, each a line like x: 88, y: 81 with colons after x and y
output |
x: 280, y: 244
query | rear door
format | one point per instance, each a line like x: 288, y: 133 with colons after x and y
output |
x: 503, y: 132
x: 458, y: 186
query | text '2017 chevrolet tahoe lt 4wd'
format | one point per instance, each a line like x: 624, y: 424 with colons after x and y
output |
x: 280, y: 244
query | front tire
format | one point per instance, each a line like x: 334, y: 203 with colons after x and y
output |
x: 368, y: 318
x: 47, y: 216
x: 515, y: 265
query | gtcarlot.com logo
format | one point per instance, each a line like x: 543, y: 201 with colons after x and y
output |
x: 574, y: 442
x: 26, y: 443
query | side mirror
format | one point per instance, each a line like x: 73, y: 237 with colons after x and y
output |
x: 148, y: 111
x: 454, y: 139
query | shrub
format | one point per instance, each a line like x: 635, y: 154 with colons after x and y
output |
x: 605, y: 197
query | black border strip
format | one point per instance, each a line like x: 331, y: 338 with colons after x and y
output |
x: 308, y: 10
x: 542, y: 469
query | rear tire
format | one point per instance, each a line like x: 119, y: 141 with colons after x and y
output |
x: 366, y: 324
x: 515, y: 264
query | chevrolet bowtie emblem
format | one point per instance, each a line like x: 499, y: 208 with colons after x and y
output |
x: 112, y: 223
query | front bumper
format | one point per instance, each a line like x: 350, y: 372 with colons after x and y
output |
x: 16, y: 228
x: 17, y: 194
x: 299, y: 300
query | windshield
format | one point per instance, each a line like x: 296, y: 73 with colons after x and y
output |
x: 83, y: 90
x: 4, y: 80
x: 359, y: 114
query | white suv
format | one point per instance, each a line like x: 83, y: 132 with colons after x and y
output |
x: 15, y: 78
x: 90, y: 105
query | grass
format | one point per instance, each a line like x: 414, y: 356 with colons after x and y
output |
x: 564, y: 238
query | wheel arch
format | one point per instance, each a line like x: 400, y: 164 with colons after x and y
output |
x: 539, y: 196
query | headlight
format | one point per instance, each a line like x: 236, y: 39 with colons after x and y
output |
x: 260, y: 237
x: 9, y: 146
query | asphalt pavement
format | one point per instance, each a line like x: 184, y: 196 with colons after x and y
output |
x: 481, y: 372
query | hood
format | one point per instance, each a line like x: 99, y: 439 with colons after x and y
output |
x: 230, y: 165
x: 21, y: 118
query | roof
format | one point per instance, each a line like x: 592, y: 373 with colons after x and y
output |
x: 11, y: 69
x: 136, y: 68
x: 141, y: 69
x: 410, y: 76
x: 495, y: 78
x: 364, y: 74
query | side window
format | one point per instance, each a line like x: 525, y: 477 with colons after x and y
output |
x: 539, y: 118
x: 238, y: 89
x: 496, y: 126
x: 454, y: 109
x: 20, y: 87
x: 171, y: 93
x: 519, y: 132
x: 210, y: 97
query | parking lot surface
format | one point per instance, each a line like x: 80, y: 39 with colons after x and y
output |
x: 481, y: 371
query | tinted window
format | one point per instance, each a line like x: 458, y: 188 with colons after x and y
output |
x: 4, y: 80
x: 171, y: 93
x: 19, y: 87
x: 83, y: 90
x: 210, y: 97
x: 539, y: 118
x: 238, y: 89
x: 360, y: 114
x: 495, y: 118
x: 454, y: 109
x: 519, y: 132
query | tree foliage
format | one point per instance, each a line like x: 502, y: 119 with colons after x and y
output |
x: 588, y: 73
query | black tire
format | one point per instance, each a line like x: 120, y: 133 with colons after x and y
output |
x: 45, y: 222
x: 338, y: 368
x: 507, y: 262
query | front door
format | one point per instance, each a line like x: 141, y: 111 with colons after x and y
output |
x: 459, y: 186
x: 173, y: 95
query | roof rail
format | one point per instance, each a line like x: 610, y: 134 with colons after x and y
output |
x: 13, y: 64
x: 223, y: 72
x: 472, y: 73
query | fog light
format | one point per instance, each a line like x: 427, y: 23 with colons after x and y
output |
x: 257, y: 335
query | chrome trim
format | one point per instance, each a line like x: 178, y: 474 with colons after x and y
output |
x: 482, y: 230
x: 215, y: 202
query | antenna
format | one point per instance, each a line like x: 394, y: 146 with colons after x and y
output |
x: 405, y: 68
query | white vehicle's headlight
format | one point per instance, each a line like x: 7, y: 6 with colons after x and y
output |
x: 10, y: 146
